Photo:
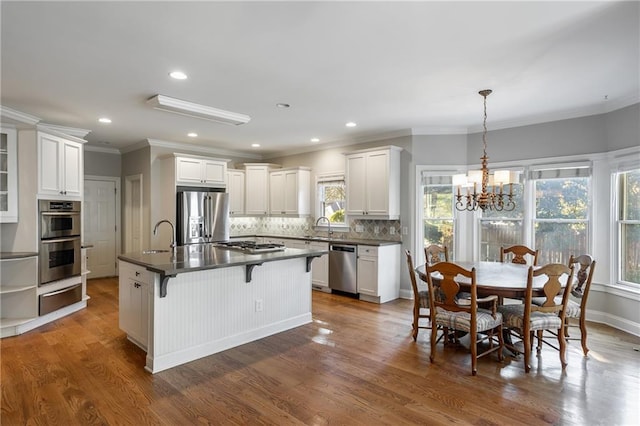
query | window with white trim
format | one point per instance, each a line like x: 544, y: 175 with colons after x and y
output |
x: 628, y: 226
x: 438, y: 211
x: 561, y: 212
x: 502, y: 228
x: 331, y: 198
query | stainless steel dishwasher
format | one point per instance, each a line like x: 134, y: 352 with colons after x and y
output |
x: 342, y: 268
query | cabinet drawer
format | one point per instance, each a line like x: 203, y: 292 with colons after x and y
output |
x: 135, y: 272
x: 370, y: 251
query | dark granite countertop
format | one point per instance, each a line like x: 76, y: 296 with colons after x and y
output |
x: 199, y: 257
x: 345, y: 240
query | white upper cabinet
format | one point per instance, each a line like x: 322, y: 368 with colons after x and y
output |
x: 60, y: 167
x: 201, y: 172
x: 373, y: 183
x: 256, y: 194
x: 290, y: 191
x: 8, y: 176
x: 235, y: 189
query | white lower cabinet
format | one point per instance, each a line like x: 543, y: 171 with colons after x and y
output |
x: 320, y: 268
x: 134, y: 288
x: 378, y: 269
x: 319, y: 265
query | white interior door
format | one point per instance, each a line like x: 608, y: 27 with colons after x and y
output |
x: 100, y: 227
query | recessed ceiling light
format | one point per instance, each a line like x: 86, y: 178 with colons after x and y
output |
x: 178, y: 75
x: 282, y: 105
x: 351, y: 124
x: 192, y: 135
x: 255, y: 145
x: 315, y: 140
x: 104, y: 120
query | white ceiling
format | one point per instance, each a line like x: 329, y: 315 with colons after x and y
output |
x: 394, y: 68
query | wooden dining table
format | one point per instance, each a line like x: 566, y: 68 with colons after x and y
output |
x: 496, y: 278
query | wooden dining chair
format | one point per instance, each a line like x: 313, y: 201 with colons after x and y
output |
x: 525, y: 319
x: 576, y: 309
x: 435, y: 253
x: 451, y: 313
x: 517, y: 254
x: 420, y: 299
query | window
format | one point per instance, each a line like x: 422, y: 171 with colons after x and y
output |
x: 629, y: 226
x: 438, y: 209
x: 331, y: 198
x: 502, y: 229
x: 561, y: 213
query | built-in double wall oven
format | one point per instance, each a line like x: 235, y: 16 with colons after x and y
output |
x: 60, y: 251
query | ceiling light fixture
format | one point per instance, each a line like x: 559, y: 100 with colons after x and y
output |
x: 255, y: 145
x: 178, y: 75
x: 178, y: 106
x: 315, y: 140
x: 283, y: 105
x: 351, y: 124
x: 192, y: 135
x: 104, y: 120
x: 491, y: 196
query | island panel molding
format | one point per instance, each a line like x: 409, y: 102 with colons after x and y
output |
x: 209, y: 311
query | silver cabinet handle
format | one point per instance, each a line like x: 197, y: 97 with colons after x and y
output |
x: 64, y: 290
x: 60, y: 240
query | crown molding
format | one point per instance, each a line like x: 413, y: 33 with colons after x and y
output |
x: 18, y: 116
x: 102, y: 149
x: 59, y: 131
x: 206, y: 150
x: 73, y: 131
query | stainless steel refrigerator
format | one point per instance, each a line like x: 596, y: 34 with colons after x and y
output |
x: 203, y: 216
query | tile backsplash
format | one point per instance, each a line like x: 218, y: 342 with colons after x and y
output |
x: 358, y: 229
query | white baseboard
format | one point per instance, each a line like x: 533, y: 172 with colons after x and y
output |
x: 45, y: 319
x: 614, y: 321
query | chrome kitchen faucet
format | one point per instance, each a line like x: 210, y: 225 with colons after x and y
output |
x: 173, y: 233
x: 329, y: 233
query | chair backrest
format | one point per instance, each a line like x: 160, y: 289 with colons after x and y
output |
x: 443, y: 289
x: 435, y: 253
x: 519, y: 252
x: 412, y: 274
x: 552, y: 273
x: 584, y: 275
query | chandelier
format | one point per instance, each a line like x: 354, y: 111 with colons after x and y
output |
x: 491, y: 186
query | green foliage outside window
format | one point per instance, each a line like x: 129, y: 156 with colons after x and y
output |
x: 562, y: 211
x: 629, y: 226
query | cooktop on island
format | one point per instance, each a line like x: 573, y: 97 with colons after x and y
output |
x: 251, y: 247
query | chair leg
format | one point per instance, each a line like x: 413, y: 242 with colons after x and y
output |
x: 526, y: 341
x: 434, y: 333
x: 540, y: 336
x: 566, y: 327
x: 473, y: 344
x: 415, y: 325
x: 583, y: 334
x: 563, y: 347
x: 501, y: 343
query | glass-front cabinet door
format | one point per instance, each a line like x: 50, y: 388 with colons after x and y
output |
x: 8, y: 176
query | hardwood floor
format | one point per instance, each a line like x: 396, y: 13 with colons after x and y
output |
x: 355, y: 364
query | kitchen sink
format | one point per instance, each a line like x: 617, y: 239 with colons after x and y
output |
x: 155, y: 251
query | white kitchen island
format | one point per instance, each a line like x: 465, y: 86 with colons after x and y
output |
x: 206, y: 299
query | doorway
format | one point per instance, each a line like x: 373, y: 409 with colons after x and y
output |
x: 101, y: 219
